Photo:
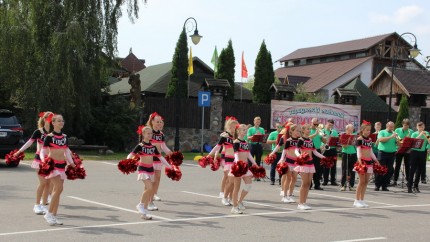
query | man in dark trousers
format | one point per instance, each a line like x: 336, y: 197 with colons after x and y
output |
x: 256, y: 147
x: 318, y: 140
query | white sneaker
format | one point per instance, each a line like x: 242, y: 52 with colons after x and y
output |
x: 241, y: 206
x: 156, y: 198
x: 301, y: 207
x: 236, y: 210
x: 221, y: 195
x: 284, y: 199
x: 358, y: 204
x: 37, y: 209
x: 140, y: 208
x: 44, y: 209
x: 289, y: 199
x: 225, y: 202
x: 152, y: 207
x: 57, y: 221
x: 355, y: 203
x: 50, y: 219
x: 364, y: 204
x: 282, y: 193
x: 146, y: 216
x: 307, y: 207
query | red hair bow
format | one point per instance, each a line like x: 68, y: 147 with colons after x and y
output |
x: 139, y: 129
x: 41, y: 114
x: 230, y: 117
x: 366, y: 122
x: 237, y: 126
x: 154, y: 114
x: 49, y: 118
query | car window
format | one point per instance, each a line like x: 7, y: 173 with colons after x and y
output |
x: 11, y: 120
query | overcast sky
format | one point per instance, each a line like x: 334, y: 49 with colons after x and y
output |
x: 285, y: 25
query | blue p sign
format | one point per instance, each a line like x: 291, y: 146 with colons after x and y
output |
x: 204, y: 99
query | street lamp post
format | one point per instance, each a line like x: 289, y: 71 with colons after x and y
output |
x: 412, y: 53
x: 195, y: 38
x: 427, y: 63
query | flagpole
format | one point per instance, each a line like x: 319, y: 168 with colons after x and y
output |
x: 241, y: 86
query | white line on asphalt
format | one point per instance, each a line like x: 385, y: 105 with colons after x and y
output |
x: 261, y: 204
x: 186, y: 164
x: 364, y: 239
x: 111, y: 206
x: 352, y: 199
x: 207, y: 218
x: 23, y: 163
x: 109, y: 163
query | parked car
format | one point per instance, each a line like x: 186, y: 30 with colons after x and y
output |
x: 11, y: 132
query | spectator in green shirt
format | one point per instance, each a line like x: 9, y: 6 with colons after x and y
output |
x: 328, y: 132
x: 256, y: 147
x: 273, y: 139
x: 318, y: 141
x: 387, y: 146
x: 418, y: 158
x: 402, y: 132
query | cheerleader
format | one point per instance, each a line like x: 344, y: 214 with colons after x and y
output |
x: 305, y: 145
x: 365, y: 156
x: 227, y: 156
x: 55, y: 146
x: 289, y: 179
x: 146, y: 152
x: 42, y: 191
x: 156, y: 123
x: 241, y: 152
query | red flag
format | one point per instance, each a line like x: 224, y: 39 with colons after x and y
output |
x: 244, y: 70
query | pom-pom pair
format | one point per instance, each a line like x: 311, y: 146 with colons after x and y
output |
x: 128, y: 166
x: 239, y: 168
x: 302, y: 159
x: 282, y: 168
x: 173, y: 173
x: 12, y: 160
x: 269, y: 159
x: 258, y: 171
x: 77, y: 172
x: 328, y: 162
x: 47, y: 167
x: 380, y: 169
x: 360, y: 169
x: 208, y: 160
x: 175, y: 158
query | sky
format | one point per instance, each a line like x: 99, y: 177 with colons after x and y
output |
x: 284, y: 25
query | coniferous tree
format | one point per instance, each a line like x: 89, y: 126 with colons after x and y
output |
x: 264, y: 75
x: 179, y: 82
x: 403, y: 111
x: 226, y: 65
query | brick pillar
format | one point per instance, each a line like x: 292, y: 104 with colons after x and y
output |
x: 216, y: 113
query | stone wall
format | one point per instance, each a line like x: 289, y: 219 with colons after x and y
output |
x: 414, y: 116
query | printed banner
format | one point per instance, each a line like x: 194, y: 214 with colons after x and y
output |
x: 304, y: 112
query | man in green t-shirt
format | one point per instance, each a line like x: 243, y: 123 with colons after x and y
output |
x: 402, y: 132
x: 387, y: 147
x: 318, y: 140
x: 329, y: 132
x: 256, y: 147
x: 418, y: 157
x: 273, y: 139
x: 349, y: 157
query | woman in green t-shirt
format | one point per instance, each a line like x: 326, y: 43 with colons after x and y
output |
x: 418, y: 158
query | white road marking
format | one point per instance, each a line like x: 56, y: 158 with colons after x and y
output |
x: 23, y: 163
x: 111, y: 206
x: 364, y: 239
x: 109, y: 163
x: 352, y: 199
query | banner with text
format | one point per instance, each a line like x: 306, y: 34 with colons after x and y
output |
x: 304, y: 112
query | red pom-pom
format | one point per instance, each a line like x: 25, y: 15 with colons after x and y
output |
x: 176, y: 158
x: 127, y: 166
x: 258, y: 171
x: 77, y: 172
x: 173, y: 173
x: 215, y: 164
x: 328, y: 162
x: 12, y: 160
x: 76, y: 159
x: 239, y: 168
x: 282, y: 168
x: 205, y: 160
x: 360, y: 169
x: 380, y: 170
x: 46, y: 167
x: 302, y: 158
x: 269, y: 159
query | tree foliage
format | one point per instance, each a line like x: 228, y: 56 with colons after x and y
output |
x: 226, y: 65
x: 303, y: 96
x: 179, y: 68
x: 403, y: 111
x: 264, y: 75
x: 54, y: 56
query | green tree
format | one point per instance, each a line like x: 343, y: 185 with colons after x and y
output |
x: 303, y: 96
x: 264, y: 75
x: 403, y: 111
x: 179, y: 68
x: 226, y: 65
x: 54, y: 55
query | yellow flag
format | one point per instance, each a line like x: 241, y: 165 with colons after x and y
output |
x: 190, y: 63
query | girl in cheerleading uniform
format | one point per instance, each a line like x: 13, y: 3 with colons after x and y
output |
x: 241, y: 152
x: 306, y: 170
x: 156, y: 123
x: 56, y: 147
x: 146, y: 152
x: 289, y: 155
x: 365, y: 156
x: 227, y: 156
x: 42, y: 191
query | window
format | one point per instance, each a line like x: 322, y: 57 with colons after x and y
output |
x: 362, y: 54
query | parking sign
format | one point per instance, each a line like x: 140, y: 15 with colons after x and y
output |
x: 204, y: 99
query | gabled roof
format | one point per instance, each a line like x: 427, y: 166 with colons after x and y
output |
x: 283, y: 88
x: 368, y: 100
x: 132, y: 64
x: 336, y: 48
x: 346, y: 92
x: 209, y: 82
x: 414, y: 81
x: 321, y: 74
